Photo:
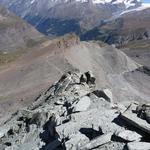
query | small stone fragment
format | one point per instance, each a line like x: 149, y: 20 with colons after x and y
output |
x: 101, y: 140
x: 138, y: 146
x: 128, y: 135
x: 83, y: 104
x: 137, y: 122
x: 3, y: 131
x: 76, y: 141
x: 108, y: 94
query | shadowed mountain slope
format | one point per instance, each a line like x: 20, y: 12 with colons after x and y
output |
x: 15, y: 33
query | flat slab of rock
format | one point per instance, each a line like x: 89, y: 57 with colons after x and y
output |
x: 83, y: 104
x: 76, y: 141
x: 109, y: 95
x: 94, y: 118
x: 3, y: 131
x: 132, y: 119
x: 128, y: 135
x: 101, y: 140
x: 138, y: 146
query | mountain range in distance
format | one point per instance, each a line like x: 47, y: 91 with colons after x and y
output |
x: 56, y: 18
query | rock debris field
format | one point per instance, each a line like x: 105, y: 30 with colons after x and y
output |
x: 73, y: 115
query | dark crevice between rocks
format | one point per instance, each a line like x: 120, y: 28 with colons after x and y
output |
x: 125, y: 147
x: 91, y: 133
x: 100, y: 93
x: 68, y: 108
x: 143, y: 112
x: 8, y: 144
x: 26, y: 121
x: 49, y: 134
x: 50, y: 137
x: 115, y: 138
x: 121, y: 122
x: 66, y: 120
x: 87, y: 78
x: 10, y: 132
x: 144, y: 69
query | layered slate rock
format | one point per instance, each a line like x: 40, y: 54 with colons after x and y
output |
x: 67, y: 116
x: 34, y: 127
x: 131, y: 116
x: 129, y: 135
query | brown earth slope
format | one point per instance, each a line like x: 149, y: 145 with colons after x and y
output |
x: 23, y: 80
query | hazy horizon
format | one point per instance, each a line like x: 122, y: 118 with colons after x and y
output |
x: 146, y: 1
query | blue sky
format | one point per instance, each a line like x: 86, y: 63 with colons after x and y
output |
x: 146, y: 1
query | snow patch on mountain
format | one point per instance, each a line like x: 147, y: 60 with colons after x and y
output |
x: 142, y: 7
x: 128, y: 11
x: 128, y: 3
x: 32, y: 1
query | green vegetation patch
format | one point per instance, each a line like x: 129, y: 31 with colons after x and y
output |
x: 2, y: 98
x: 8, y: 57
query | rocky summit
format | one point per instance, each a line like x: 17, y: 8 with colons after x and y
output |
x: 74, y: 115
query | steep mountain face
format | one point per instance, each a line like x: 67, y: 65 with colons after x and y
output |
x: 131, y: 25
x: 16, y: 36
x: 55, y: 18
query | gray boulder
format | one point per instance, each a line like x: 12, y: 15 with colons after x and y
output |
x: 82, y: 105
x: 143, y: 111
x: 128, y: 135
x: 109, y: 94
x: 3, y: 131
x: 101, y: 140
x: 76, y: 141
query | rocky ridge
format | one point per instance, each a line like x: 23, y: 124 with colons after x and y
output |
x: 72, y: 114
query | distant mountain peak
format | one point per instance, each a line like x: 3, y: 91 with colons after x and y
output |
x: 128, y: 3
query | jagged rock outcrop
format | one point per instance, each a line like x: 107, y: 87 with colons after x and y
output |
x: 38, y: 122
x: 55, y: 120
x: 143, y: 111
